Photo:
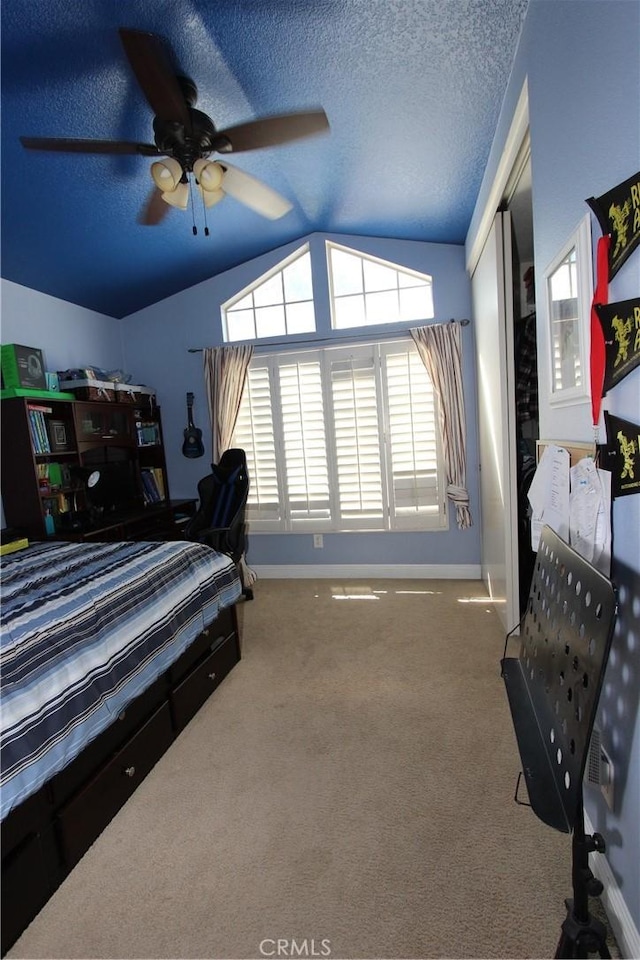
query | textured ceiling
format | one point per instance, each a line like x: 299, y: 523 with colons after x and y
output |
x: 412, y: 89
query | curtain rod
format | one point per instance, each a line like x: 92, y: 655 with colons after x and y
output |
x: 301, y: 343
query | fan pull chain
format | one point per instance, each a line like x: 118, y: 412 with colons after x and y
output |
x: 204, y: 211
x: 193, y: 211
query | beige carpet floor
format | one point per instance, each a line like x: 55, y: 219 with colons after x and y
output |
x: 351, y: 781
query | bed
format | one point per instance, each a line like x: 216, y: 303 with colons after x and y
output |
x: 107, y: 650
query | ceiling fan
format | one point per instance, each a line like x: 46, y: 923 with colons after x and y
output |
x: 186, y: 138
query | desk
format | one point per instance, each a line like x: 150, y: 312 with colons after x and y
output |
x: 156, y: 521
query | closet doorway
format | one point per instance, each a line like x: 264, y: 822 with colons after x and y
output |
x: 500, y: 263
x: 517, y: 200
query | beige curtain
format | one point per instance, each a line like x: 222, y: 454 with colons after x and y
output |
x: 440, y: 349
x: 225, y: 372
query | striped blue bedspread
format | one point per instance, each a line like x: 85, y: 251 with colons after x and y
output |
x: 86, y: 628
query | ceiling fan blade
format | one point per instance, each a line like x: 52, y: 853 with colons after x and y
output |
x: 271, y: 131
x: 154, y: 210
x: 69, y: 145
x: 150, y: 61
x: 253, y: 193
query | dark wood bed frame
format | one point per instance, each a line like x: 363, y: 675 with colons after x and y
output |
x: 48, y: 833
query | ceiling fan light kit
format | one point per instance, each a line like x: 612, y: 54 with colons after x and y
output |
x: 211, y: 197
x: 209, y: 174
x: 179, y: 197
x: 185, y: 137
x: 166, y: 174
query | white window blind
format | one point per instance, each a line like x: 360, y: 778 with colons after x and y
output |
x: 342, y: 439
x: 416, y: 487
x: 358, y: 449
x: 254, y: 432
x: 306, y: 470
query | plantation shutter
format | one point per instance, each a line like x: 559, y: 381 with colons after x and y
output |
x: 342, y: 439
x: 304, y: 441
x: 358, y: 454
x: 254, y: 434
x: 412, y: 440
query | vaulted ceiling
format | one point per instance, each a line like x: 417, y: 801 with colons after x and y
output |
x: 412, y: 90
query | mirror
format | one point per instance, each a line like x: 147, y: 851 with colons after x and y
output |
x: 568, y: 282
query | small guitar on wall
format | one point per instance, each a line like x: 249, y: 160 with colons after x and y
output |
x: 192, y: 445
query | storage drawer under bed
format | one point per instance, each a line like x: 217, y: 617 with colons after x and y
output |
x: 83, y: 818
x: 189, y: 695
x: 83, y: 767
x: 50, y: 832
x: 210, y: 638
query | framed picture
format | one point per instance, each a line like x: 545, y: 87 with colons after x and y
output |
x: 58, y: 438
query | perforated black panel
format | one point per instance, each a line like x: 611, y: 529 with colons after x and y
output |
x: 564, y: 647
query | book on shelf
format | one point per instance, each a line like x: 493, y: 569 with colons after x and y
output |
x: 38, y: 426
x: 159, y: 478
x: 152, y: 485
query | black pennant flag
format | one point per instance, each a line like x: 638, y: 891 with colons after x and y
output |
x: 622, y: 455
x: 620, y: 324
x: 618, y: 213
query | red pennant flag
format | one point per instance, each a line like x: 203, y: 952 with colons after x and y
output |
x: 598, y: 348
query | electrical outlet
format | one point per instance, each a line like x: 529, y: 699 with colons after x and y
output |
x: 607, y: 778
x: 318, y: 540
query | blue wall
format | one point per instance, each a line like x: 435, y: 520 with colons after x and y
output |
x: 580, y: 59
x: 156, y: 345
x: 68, y: 335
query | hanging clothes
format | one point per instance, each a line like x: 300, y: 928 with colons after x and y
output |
x: 526, y: 368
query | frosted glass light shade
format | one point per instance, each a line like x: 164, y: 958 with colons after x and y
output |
x: 178, y: 197
x: 166, y: 173
x: 210, y: 197
x: 209, y: 175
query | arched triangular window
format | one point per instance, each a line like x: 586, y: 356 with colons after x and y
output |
x: 277, y: 304
x: 366, y: 291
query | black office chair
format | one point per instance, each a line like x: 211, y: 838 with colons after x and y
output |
x: 220, y: 518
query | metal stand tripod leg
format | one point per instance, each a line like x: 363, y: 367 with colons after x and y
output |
x: 583, y: 934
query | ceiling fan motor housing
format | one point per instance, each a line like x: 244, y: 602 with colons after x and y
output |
x: 187, y: 146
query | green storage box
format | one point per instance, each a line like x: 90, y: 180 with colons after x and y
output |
x: 22, y: 367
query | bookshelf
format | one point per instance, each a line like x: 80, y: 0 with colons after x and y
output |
x: 78, y: 470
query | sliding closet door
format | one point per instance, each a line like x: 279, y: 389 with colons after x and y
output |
x: 493, y: 323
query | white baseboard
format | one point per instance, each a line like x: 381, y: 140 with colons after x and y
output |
x: 367, y: 571
x: 622, y: 923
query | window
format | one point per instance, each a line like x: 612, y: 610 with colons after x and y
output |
x: 366, y: 291
x: 342, y: 439
x: 280, y: 303
x: 569, y: 293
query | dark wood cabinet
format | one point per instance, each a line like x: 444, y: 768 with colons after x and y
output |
x: 52, y: 452
x: 98, y: 424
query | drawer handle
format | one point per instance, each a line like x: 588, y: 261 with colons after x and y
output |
x: 205, y: 633
x: 212, y: 676
x: 122, y: 715
x: 130, y: 771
